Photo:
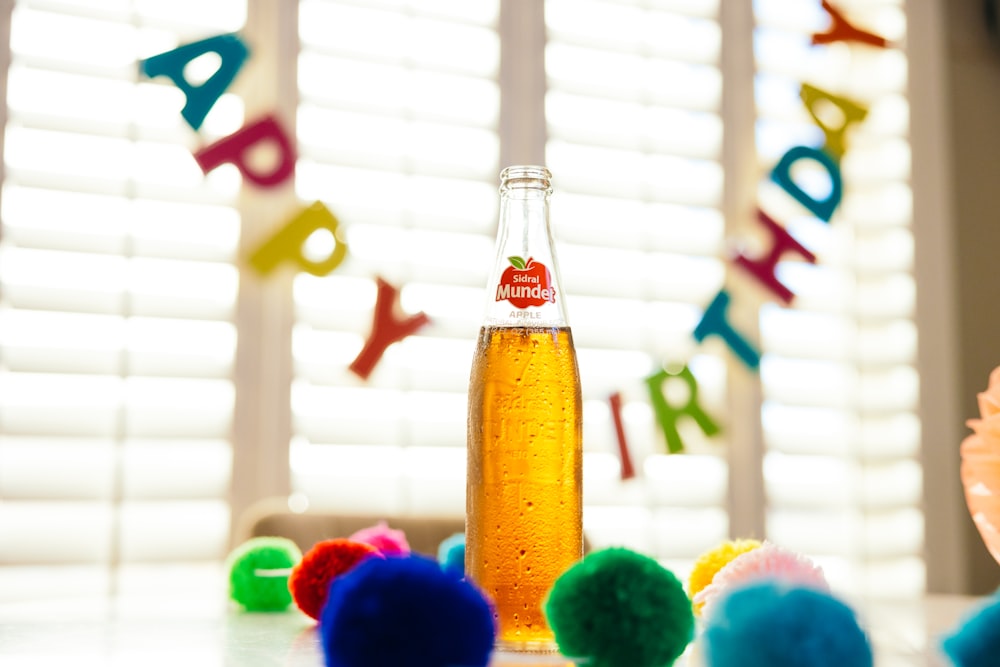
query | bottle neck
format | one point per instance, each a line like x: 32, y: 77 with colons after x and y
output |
x: 524, y: 287
x: 524, y: 222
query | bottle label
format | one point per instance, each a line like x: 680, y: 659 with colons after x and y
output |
x: 526, y: 283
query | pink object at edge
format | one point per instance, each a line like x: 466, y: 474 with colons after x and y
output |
x: 768, y: 561
x: 387, y: 540
x: 980, y: 471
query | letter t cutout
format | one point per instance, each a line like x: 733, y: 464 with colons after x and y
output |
x: 714, y: 321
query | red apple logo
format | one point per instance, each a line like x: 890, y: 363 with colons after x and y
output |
x: 526, y: 283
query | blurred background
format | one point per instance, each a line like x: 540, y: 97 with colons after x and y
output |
x: 155, y: 390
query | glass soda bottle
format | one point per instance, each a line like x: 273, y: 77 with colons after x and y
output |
x: 524, y: 487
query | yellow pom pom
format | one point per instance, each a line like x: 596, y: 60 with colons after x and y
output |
x: 714, y: 560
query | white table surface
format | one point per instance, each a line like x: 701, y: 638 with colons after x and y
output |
x: 207, y: 633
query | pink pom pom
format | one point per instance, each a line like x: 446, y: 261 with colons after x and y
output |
x: 768, y: 561
x: 387, y: 540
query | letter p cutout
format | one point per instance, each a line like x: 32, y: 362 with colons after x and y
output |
x: 238, y: 147
x: 288, y: 243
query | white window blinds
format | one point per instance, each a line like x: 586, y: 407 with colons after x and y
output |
x: 117, y: 288
x: 635, y: 141
x: 842, y: 436
x: 398, y: 133
x: 120, y: 270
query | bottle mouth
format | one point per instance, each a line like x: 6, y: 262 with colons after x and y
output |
x: 526, y: 177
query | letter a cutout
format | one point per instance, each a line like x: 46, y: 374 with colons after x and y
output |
x: 201, y: 98
x: 852, y: 112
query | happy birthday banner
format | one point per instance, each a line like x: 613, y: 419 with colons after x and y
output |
x: 286, y: 246
x: 714, y: 321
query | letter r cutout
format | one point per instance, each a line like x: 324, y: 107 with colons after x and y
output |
x: 667, y: 415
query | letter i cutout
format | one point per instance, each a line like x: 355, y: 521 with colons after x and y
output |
x: 628, y: 469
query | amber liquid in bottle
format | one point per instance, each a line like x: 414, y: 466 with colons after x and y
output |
x: 524, y: 490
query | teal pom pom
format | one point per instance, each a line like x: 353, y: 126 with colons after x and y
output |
x: 258, y: 573
x: 976, y: 643
x: 775, y: 624
x: 451, y: 554
x: 617, y: 607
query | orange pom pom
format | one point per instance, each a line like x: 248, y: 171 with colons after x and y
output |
x: 310, y: 580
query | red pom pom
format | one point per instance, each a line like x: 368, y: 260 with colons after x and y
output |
x: 310, y: 580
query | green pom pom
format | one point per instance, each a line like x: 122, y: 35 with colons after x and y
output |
x: 617, y: 607
x: 258, y: 573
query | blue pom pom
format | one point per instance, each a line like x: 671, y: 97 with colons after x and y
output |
x: 451, y: 554
x: 774, y: 624
x: 976, y: 643
x: 405, y: 611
